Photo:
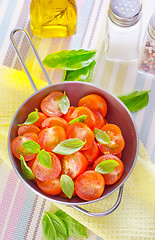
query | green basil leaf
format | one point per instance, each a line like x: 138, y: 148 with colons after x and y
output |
x: 81, y: 118
x: 44, y: 158
x: 69, y: 146
x: 101, y: 136
x: 67, y: 185
x: 83, y: 74
x: 69, y: 59
x: 135, y: 100
x: 75, y: 229
x: 64, y: 104
x: 106, y: 166
x: 26, y: 170
x: 48, y: 227
x: 32, y: 118
x: 31, y: 146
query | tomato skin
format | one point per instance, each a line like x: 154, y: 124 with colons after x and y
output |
x: 28, y: 128
x: 115, y: 175
x: 81, y: 131
x: 46, y: 174
x: 117, y: 141
x: 54, y: 121
x: 91, y: 153
x: 17, y: 146
x: 74, y: 164
x: 89, y: 185
x: 67, y: 116
x: 49, y: 104
x: 49, y: 138
x: 100, y: 122
x: 51, y: 187
x: 30, y: 163
x: 42, y: 117
x: 95, y: 103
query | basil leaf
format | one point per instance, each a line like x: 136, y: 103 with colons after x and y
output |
x: 83, y: 74
x: 81, y: 118
x: 26, y: 170
x: 32, y: 118
x: 106, y: 166
x: 67, y: 185
x: 31, y: 146
x: 135, y: 100
x: 48, y: 227
x: 64, y: 104
x: 44, y: 158
x: 75, y: 229
x: 69, y: 146
x: 69, y: 59
x: 101, y: 136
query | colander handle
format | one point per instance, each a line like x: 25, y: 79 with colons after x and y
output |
x: 103, y: 213
x: 21, y: 58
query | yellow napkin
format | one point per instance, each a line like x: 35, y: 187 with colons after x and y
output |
x: 135, y: 217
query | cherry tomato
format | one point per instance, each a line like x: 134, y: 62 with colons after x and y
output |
x: 17, y: 146
x: 46, y: 174
x: 28, y: 128
x: 49, y: 104
x: 89, y: 185
x: 91, y: 153
x: 68, y: 114
x: 117, y: 141
x: 100, y: 122
x: 51, y: 187
x: 74, y: 164
x: 30, y: 163
x: 114, y: 176
x: 49, y: 138
x: 81, y: 131
x: 119, y: 155
x: 42, y: 117
x: 54, y: 121
x: 94, y: 102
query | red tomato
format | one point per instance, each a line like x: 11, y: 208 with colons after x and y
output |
x: 30, y: 163
x: 17, y: 146
x: 68, y: 114
x: 49, y: 104
x: 54, y: 121
x: 49, y: 138
x: 91, y: 153
x: 74, y: 164
x: 42, y: 117
x: 51, y: 187
x: 89, y: 185
x: 95, y: 103
x: 100, y: 122
x: 117, y: 141
x: 114, y: 176
x: 28, y: 128
x: 81, y: 131
x: 90, y: 120
x: 119, y: 155
x: 46, y: 174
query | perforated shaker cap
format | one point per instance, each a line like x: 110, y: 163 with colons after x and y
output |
x: 125, y: 12
x: 152, y: 26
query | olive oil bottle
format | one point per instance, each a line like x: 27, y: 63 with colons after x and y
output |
x: 53, y: 18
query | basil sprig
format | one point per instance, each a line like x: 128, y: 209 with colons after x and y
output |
x: 81, y: 118
x: 101, y: 136
x: 64, y: 104
x: 26, y: 170
x: 31, y: 146
x: 32, y: 118
x: 67, y: 185
x: 106, y: 166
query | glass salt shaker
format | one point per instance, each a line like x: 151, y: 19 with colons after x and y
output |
x: 123, y: 30
x: 147, y: 58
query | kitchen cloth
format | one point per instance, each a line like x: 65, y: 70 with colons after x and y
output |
x: 134, y: 218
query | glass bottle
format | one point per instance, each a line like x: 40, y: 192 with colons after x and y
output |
x: 123, y: 30
x: 147, y: 57
x: 53, y: 18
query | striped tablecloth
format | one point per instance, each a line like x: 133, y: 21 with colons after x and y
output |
x: 20, y: 209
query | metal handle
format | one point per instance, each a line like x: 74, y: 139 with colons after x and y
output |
x: 103, y: 213
x: 21, y: 59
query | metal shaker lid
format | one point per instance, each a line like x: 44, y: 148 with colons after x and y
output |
x: 125, y: 13
x: 152, y: 26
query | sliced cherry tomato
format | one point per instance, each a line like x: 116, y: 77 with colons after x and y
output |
x: 94, y: 102
x: 42, y: 117
x: 90, y: 120
x: 17, y: 146
x: 100, y: 122
x: 49, y: 104
x: 89, y: 185
x: 28, y: 128
x: 46, y: 174
x: 81, y: 131
x: 51, y: 187
x: 117, y: 141
x: 114, y: 176
x: 68, y: 114
x: 54, y: 121
x: 92, y: 153
x: 119, y: 155
x: 30, y: 163
x: 49, y: 138
x: 74, y: 164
